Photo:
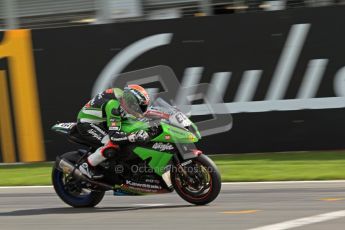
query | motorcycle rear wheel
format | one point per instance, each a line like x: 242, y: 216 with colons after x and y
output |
x: 69, y: 191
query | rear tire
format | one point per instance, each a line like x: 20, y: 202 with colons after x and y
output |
x: 73, y: 199
x: 212, y: 188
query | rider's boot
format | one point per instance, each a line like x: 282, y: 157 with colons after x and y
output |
x: 100, y: 155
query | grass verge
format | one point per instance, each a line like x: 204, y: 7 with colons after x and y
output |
x: 319, y: 165
x: 26, y: 174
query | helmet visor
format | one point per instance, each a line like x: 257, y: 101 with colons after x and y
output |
x: 132, y: 105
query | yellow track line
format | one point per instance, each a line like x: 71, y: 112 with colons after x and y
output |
x: 332, y: 199
x: 241, y: 212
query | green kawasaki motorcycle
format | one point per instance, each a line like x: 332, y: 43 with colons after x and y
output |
x: 170, y: 161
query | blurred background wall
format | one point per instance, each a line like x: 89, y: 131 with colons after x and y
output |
x: 278, y: 65
x: 47, y: 13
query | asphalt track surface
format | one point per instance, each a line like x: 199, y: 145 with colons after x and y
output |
x: 239, y: 206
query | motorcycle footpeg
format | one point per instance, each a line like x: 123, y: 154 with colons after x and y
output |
x: 97, y: 177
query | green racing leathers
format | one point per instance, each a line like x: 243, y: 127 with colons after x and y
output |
x: 99, y: 122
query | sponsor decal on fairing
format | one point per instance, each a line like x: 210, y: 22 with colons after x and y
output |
x: 162, y: 146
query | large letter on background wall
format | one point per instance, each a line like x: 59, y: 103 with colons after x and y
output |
x: 17, y: 48
x: 6, y: 131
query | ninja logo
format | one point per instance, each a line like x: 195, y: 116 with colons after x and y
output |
x: 162, y: 146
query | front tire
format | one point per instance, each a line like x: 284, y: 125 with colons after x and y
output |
x: 209, y: 181
x: 75, y: 196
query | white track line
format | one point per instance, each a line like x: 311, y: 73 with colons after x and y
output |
x: 22, y: 187
x: 303, y: 221
x: 151, y: 205
x: 224, y: 183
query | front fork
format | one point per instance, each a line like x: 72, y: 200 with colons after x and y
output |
x: 182, y: 170
x: 189, y: 155
x: 179, y: 166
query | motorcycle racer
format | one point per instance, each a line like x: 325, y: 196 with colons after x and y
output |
x: 99, y: 122
x: 168, y: 162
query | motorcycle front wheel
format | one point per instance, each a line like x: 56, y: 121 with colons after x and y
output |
x: 200, y: 181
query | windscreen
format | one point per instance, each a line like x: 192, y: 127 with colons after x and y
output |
x: 170, y: 113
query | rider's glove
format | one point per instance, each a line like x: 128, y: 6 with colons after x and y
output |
x: 139, y: 136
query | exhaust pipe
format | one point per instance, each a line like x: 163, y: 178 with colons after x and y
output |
x: 68, y: 168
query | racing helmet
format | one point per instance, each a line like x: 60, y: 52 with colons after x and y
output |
x: 135, y: 100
